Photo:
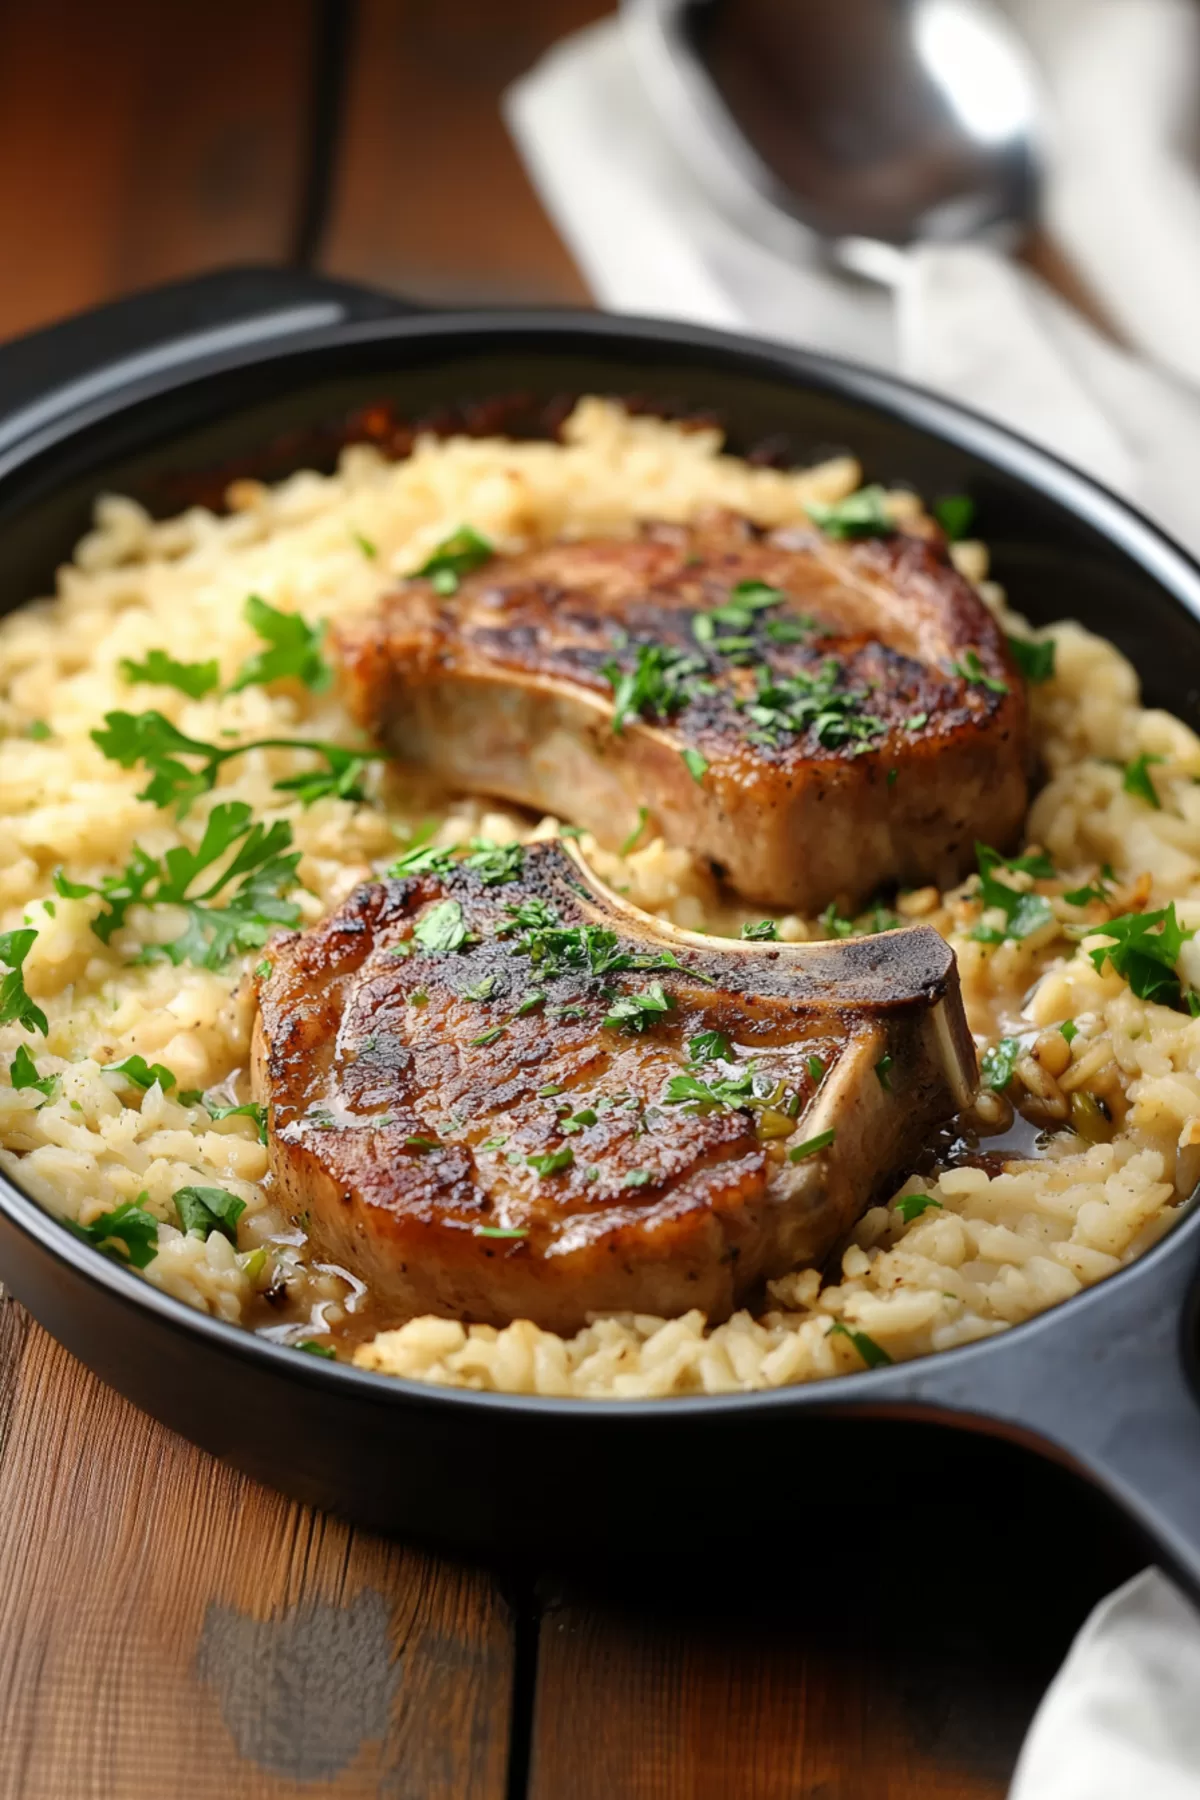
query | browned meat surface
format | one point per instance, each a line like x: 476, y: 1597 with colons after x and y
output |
x: 485, y: 1092
x: 850, y: 719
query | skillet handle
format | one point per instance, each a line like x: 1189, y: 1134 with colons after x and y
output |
x: 50, y: 372
x: 1105, y: 1382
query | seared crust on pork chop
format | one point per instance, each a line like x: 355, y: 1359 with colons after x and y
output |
x: 816, y: 718
x: 500, y: 1092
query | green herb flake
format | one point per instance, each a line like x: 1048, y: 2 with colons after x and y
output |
x: 911, y: 1206
x: 192, y: 678
x: 873, y: 1354
x: 661, y: 681
x: 883, y: 1070
x: 483, y: 990
x: 310, y: 1347
x: 207, y: 1209
x: 551, y: 1088
x: 1034, y: 657
x: 457, y: 555
x: 493, y: 1143
x: 441, y: 928
x: 129, y: 1233
x: 638, y: 1178
x: 249, y: 1109
x: 635, y: 1013
x: 859, y: 515
x: 495, y: 864
x: 501, y: 1231
x: 262, y: 969
x: 709, y: 1046
x: 998, y: 1063
x: 1136, y: 779
x: 553, y: 1162
x: 635, y: 834
x: 812, y: 1145
x: 696, y: 765
x: 816, y: 1069
x: 1070, y: 1030
x: 531, y: 1002
x: 419, y: 998
x: 369, y: 550
x: 1144, y: 952
x: 1024, y: 913
x: 38, y: 730
x: 486, y: 1037
x: 22, y: 1073
x: 760, y: 931
x: 917, y: 722
x: 139, y: 1073
x: 15, y: 1005
x: 422, y: 1144
x: 294, y: 650
x: 969, y: 669
x: 955, y: 513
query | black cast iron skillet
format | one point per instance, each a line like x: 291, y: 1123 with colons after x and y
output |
x: 206, y: 373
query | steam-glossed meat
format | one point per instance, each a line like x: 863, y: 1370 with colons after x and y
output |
x: 462, y: 1102
x: 865, y: 726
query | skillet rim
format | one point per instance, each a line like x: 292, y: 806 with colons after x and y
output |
x: 1114, y: 520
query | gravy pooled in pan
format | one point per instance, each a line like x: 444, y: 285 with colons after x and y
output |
x: 816, y: 717
x: 497, y: 1092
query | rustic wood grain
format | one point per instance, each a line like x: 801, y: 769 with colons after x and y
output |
x: 171, y: 1631
x: 431, y: 198
x: 140, y: 142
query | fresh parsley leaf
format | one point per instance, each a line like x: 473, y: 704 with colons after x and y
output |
x: 811, y: 1145
x: 1144, y: 953
x: 1099, y: 889
x: 416, y: 1142
x: 424, y: 859
x: 811, y: 699
x: 760, y: 931
x: 22, y: 1073
x: 1136, y: 779
x: 441, y: 928
x: 535, y: 998
x: 483, y: 990
x: 500, y: 1231
x: 369, y: 550
x: 129, y: 1233
x: 998, y: 1062
x: 862, y: 514
x: 637, y: 1012
x: 969, y: 669
x: 38, y: 730
x: 192, y: 678
x: 661, y: 681
x: 917, y: 722
x: 294, y: 650
x: 883, y: 1070
x: 816, y: 1069
x: 638, y: 1178
x: 139, y: 1073
x: 456, y: 556
x: 1034, y: 657
x: 15, y: 1004
x: 1070, y: 1030
x: 873, y: 1354
x: 310, y: 1347
x: 249, y: 1109
x: 1024, y: 913
x: 732, y: 1090
x: 553, y: 1162
x: 495, y: 864
x: 486, y: 1037
x: 635, y: 834
x: 695, y: 764
x: 911, y: 1206
x: 209, y: 1209
x: 709, y: 1046
x: 955, y: 513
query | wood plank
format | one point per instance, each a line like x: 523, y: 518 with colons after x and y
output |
x: 431, y: 198
x: 168, y: 1628
x: 140, y: 142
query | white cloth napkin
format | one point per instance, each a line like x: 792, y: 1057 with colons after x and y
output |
x: 1122, y: 79
x: 1122, y: 85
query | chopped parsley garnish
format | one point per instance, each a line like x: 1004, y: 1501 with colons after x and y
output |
x: 310, y: 1347
x: 709, y: 1046
x: 746, y: 599
x: 192, y: 678
x: 535, y: 998
x: 955, y: 513
x: 733, y: 1090
x: 816, y: 1069
x: 457, y: 555
x: 150, y: 739
x: 15, y: 1005
x: 1144, y: 953
x: 495, y: 864
x: 883, y: 1070
x: 1136, y: 779
x: 441, y: 928
x: 22, y: 1073
x: 422, y: 1144
x: 500, y: 1231
x: 637, y: 1012
x: 661, y: 681
x: 129, y: 1233
x: 553, y: 1162
x: 969, y: 669
x: 486, y: 1037
x: 209, y: 1209
x: 873, y: 1354
x: 1099, y: 889
x: 38, y: 730
x: 911, y: 1206
x: 1034, y: 657
x: 811, y: 1145
x: 556, y: 949
x: 493, y: 1143
x: 483, y: 990
x: 917, y: 722
x: 997, y: 1064
x: 1024, y: 913
x: 635, y: 834
x: 249, y: 1109
x: 294, y: 649
x: 811, y: 699
x: 1070, y: 1030
x: 577, y: 1121
x: 141, y: 1074
x: 862, y: 514
x: 424, y: 859
x: 369, y: 550
x: 638, y: 1178
x: 695, y: 764
x: 420, y: 998
x: 264, y: 859
x: 760, y: 931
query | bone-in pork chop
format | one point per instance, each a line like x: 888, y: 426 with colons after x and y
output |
x: 500, y: 1092
x: 816, y: 718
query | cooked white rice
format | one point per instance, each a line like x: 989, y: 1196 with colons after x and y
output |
x: 993, y: 1250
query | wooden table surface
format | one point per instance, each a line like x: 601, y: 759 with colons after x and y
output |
x: 168, y: 1629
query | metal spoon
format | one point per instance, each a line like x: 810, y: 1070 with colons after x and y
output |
x: 851, y: 129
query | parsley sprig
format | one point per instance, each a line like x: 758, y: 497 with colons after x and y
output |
x: 811, y: 699
x: 556, y: 949
x: 253, y: 909
x: 861, y: 514
x: 1144, y: 952
x: 129, y: 1233
x: 15, y: 1005
x: 1024, y: 913
x: 661, y: 682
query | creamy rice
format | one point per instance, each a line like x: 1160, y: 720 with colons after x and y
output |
x: 999, y: 1244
